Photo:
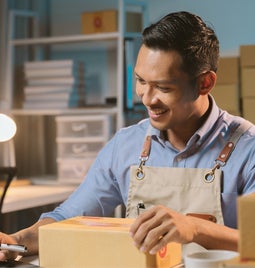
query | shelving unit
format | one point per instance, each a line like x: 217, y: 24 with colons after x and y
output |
x: 113, y: 41
x: 104, y: 40
x: 107, y: 41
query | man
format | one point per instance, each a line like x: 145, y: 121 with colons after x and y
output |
x: 187, y: 163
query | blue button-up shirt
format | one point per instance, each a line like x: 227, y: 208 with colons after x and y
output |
x: 107, y: 182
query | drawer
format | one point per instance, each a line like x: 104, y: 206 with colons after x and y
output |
x: 83, y: 126
x: 73, y: 170
x: 78, y: 149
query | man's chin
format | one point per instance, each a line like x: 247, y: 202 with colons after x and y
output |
x: 158, y: 125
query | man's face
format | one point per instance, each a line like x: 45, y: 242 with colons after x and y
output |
x: 168, y: 93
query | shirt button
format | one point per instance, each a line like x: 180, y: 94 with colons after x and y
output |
x: 179, y: 158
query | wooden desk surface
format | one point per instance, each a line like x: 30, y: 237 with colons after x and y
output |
x: 29, y: 196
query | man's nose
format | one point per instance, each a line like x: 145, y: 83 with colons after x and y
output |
x: 149, y: 96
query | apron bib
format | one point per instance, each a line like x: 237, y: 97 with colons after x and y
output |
x: 194, y: 191
x: 181, y: 189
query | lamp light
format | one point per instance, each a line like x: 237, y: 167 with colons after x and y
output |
x: 7, y: 128
x: 8, y: 166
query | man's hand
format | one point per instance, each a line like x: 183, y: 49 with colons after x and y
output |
x: 158, y: 226
x: 27, y: 237
x: 6, y: 254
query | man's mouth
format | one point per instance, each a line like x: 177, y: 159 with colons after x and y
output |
x: 155, y: 113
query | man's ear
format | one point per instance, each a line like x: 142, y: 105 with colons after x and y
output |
x: 205, y: 82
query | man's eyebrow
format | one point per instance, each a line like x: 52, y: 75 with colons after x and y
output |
x: 165, y: 82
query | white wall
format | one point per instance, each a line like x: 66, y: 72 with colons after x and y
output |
x: 233, y: 20
x: 66, y: 19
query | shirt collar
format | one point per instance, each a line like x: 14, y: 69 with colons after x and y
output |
x: 206, y: 128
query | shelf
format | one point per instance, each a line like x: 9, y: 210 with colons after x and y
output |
x: 73, y: 38
x: 90, y: 110
x: 65, y: 39
x: 75, y: 42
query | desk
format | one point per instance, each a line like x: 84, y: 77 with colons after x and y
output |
x: 30, y: 196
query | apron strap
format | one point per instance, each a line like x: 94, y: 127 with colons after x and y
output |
x: 220, y: 160
x: 224, y: 155
x: 146, y: 148
x: 230, y: 145
x: 144, y: 154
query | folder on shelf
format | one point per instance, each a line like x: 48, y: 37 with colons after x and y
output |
x: 129, y: 79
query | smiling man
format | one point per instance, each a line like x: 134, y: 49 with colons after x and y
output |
x: 187, y: 162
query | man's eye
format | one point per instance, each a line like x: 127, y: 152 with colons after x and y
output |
x: 141, y: 81
x: 163, y: 89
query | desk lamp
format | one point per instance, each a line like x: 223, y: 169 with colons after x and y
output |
x: 8, y: 167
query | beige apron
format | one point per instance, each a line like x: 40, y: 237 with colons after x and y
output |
x: 187, y: 190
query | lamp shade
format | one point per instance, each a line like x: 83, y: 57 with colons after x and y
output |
x: 7, y: 128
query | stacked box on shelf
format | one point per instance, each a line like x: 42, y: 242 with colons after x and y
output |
x: 246, y: 242
x: 246, y: 222
x: 247, y: 58
x: 79, y: 139
x: 104, y: 21
x: 226, y: 92
x: 53, y: 84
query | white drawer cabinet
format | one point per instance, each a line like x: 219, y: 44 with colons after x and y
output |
x: 73, y: 170
x: 83, y: 126
x: 79, y: 139
x: 75, y: 149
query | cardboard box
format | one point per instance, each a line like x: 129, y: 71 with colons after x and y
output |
x: 107, y: 21
x: 228, y: 71
x: 248, y: 82
x: 248, y: 109
x: 247, y: 55
x: 237, y: 263
x: 98, y: 242
x: 246, y: 226
x: 227, y: 97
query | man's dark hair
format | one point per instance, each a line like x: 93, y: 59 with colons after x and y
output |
x: 187, y: 34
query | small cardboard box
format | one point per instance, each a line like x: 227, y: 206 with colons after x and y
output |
x: 247, y: 55
x: 248, y: 104
x: 248, y: 82
x: 227, y: 97
x: 228, y: 71
x: 97, y: 242
x: 237, y: 263
x: 246, y: 226
x: 107, y: 21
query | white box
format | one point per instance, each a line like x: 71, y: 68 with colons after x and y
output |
x: 73, y: 170
x: 84, y: 126
x: 74, y: 148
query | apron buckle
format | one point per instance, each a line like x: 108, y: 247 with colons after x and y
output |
x: 140, y: 172
x: 210, y: 176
